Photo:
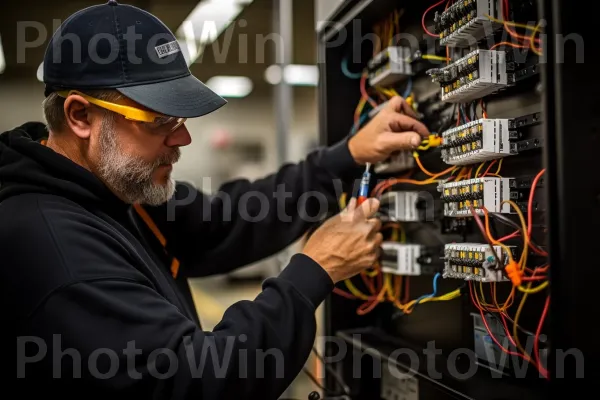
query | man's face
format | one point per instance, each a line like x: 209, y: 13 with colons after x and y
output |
x: 135, y: 159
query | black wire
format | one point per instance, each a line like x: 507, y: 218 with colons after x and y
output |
x: 507, y: 221
x: 314, y: 379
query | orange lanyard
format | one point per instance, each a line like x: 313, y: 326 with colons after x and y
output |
x: 148, y: 220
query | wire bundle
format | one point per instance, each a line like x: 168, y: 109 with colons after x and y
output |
x: 522, y: 278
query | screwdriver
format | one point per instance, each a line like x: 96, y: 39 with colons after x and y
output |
x: 363, y: 191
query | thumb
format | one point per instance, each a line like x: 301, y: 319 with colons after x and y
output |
x: 368, y: 208
x: 393, y: 142
x: 347, y: 213
x: 351, y: 205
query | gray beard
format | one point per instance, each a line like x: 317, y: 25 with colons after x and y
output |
x: 129, y: 177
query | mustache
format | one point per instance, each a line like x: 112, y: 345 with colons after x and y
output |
x: 168, y: 158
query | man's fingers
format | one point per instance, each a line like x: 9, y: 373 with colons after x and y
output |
x: 375, y: 224
x: 351, y: 205
x: 368, y: 208
x: 397, y: 141
x: 378, y: 240
x: 399, y: 105
x: 403, y: 123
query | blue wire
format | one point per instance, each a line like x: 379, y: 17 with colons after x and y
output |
x: 408, y: 89
x: 363, y: 118
x: 420, y: 299
x: 346, y: 71
x: 435, y: 279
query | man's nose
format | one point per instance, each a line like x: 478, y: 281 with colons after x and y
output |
x: 179, y: 137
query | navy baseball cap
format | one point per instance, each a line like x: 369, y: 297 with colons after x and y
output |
x: 121, y: 47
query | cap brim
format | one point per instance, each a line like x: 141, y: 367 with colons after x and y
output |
x: 185, y: 97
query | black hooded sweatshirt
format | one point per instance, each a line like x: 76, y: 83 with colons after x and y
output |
x: 92, y: 310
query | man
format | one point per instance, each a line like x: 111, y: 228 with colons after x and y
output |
x: 96, y: 234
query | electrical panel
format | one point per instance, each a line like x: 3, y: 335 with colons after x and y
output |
x: 398, y: 162
x: 390, y: 66
x: 401, y: 206
x: 478, y: 74
x: 488, y: 192
x: 400, y: 258
x: 474, y: 261
x: 473, y: 76
x: 476, y: 142
x: 466, y: 22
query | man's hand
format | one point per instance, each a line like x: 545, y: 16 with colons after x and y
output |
x: 394, y: 128
x: 348, y: 242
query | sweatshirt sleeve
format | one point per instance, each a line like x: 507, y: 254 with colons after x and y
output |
x: 244, y: 222
x: 122, y: 340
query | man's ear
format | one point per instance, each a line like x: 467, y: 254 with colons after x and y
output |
x: 77, y: 115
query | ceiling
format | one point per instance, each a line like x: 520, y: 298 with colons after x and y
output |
x: 244, y: 51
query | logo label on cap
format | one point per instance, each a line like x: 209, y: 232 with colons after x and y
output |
x: 166, y: 49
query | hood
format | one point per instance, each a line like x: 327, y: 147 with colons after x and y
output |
x: 27, y: 166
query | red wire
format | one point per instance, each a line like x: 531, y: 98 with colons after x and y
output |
x: 363, y: 91
x: 534, y: 278
x: 346, y: 295
x: 487, y: 328
x: 512, y: 341
x: 536, y: 352
x: 512, y: 235
x: 425, y: 14
x: 489, y: 167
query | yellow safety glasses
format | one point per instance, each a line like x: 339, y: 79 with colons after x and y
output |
x: 153, y: 120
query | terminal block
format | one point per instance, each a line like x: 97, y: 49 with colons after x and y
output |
x: 488, y: 192
x: 477, y: 141
x: 466, y: 22
x: 390, y: 66
x: 398, y: 162
x: 478, y: 74
x: 475, y: 261
x: 401, y: 206
x: 400, y: 258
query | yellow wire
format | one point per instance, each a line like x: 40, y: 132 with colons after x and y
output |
x: 511, y: 23
x: 529, y: 290
x: 354, y: 290
x: 479, y: 169
x: 523, y: 259
x: 434, y: 57
x: 532, y: 40
x: 499, y: 166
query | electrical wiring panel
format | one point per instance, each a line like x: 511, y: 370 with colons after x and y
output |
x: 488, y: 192
x: 400, y: 258
x: 401, y: 206
x: 477, y: 141
x: 390, y: 66
x: 466, y: 22
x: 475, y: 261
x: 398, y: 162
x: 463, y: 205
x: 478, y: 74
